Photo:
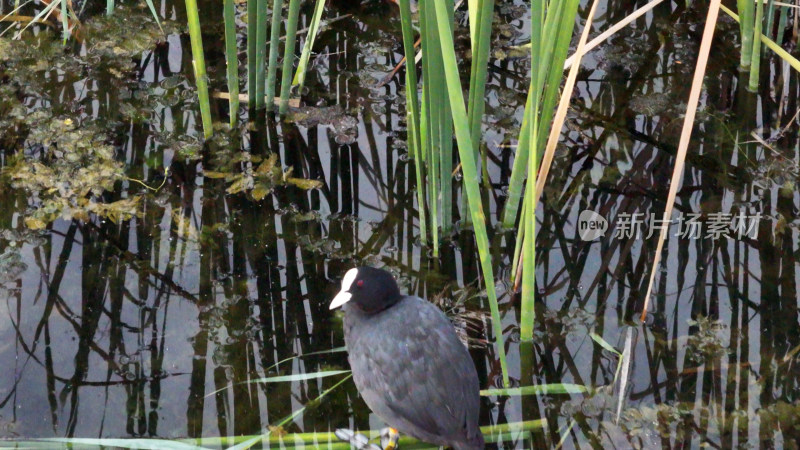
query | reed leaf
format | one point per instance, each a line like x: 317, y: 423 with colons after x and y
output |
x: 603, y: 343
x: 64, y: 21
x: 470, y: 179
x: 481, y: 34
x: 199, y: 66
x: 558, y: 22
x: 313, y: 29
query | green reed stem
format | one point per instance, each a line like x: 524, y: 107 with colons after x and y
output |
x: 446, y: 145
x: 252, y: 32
x: 755, y: 60
x: 274, y: 38
x: 231, y: 59
x: 288, y: 54
x: 199, y: 66
x: 432, y: 94
x: 527, y: 311
x: 412, y: 115
x: 745, y: 8
x: 261, y: 52
x: 770, y: 17
x: 784, y: 17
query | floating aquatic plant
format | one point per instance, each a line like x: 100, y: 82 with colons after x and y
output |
x: 66, y: 173
x: 258, y: 177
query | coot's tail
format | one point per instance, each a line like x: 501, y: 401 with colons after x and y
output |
x: 475, y: 443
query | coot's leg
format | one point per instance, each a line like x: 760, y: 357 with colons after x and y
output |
x: 357, y: 440
x: 389, y: 438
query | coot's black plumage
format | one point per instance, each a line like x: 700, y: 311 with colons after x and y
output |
x: 407, y: 361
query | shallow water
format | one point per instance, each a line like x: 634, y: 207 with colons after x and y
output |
x: 150, y: 327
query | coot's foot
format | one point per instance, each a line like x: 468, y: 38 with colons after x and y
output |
x: 357, y: 440
x: 389, y: 438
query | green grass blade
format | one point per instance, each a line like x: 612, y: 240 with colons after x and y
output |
x: 149, y: 444
x: 153, y: 11
x: 287, y: 378
x: 518, y: 243
x: 288, y: 54
x: 470, y: 179
x: 299, y: 377
x: 321, y: 352
x: 294, y: 414
x: 313, y: 29
x: 476, y: 104
x: 565, y: 30
x: 64, y: 21
x: 518, y: 170
x: 603, y: 343
x: 539, y: 389
x: 231, y: 59
x: 42, y: 15
x: 481, y: 44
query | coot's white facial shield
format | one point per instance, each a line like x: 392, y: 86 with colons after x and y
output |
x: 343, y: 296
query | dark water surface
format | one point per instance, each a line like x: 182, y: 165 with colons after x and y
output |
x: 148, y: 327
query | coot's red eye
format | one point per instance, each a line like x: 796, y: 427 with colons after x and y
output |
x: 360, y: 283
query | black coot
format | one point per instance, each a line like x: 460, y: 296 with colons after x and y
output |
x: 407, y: 361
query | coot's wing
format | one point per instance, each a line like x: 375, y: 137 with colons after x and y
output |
x: 419, y: 377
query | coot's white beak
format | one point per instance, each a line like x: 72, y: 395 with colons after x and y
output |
x: 344, y: 296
